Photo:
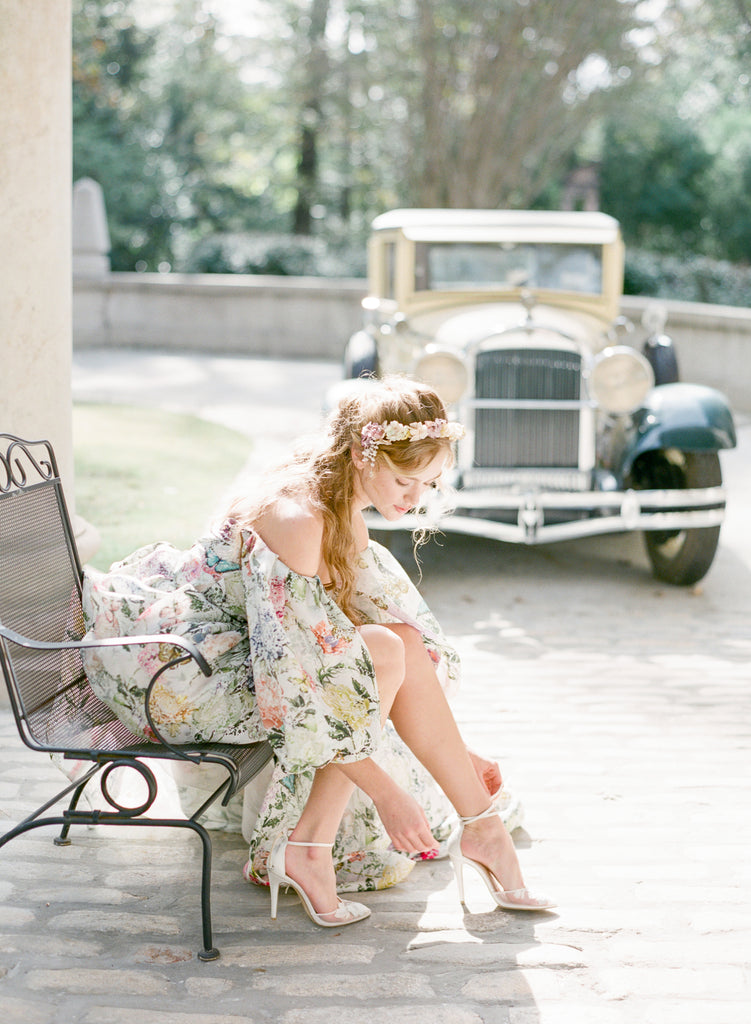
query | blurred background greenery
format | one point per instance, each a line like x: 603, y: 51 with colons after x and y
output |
x: 145, y: 475
x: 262, y: 136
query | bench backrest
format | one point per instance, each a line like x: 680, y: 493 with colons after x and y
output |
x: 40, y: 598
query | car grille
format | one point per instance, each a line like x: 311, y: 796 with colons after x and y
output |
x: 521, y: 426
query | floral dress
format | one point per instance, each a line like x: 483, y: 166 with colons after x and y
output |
x: 287, y: 666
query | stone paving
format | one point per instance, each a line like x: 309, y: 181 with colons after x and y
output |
x: 619, y: 709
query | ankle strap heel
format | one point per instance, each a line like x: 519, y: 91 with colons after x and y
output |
x: 508, y: 899
x: 325, y: 846
x: 345, y: 911
x: 487, y: 813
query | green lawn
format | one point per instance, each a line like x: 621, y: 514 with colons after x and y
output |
x: 143, y: 475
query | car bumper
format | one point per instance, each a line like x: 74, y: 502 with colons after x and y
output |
x: 526, y: 518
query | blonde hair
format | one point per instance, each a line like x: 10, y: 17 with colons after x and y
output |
x: 324, y: 474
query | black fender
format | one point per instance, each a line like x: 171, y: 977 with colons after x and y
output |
x: 361, y: 355
x: 690, y: 417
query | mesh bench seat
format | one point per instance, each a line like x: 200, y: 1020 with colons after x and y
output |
x: 54, y: 707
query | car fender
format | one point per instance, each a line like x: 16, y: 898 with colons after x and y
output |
x: 690, y: 417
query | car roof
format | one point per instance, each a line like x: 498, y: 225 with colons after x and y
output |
x: 424, y: 225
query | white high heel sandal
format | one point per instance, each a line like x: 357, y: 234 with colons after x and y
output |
x: 346, y: 912
x: 509, y: 899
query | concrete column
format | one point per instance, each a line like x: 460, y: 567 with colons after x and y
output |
x: 35, y: 227
x: 35, y: 193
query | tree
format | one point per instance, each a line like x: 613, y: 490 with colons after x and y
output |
x: 338, y: 109
x: 164, y: 121
x: 499, y: 93
x: 110, y: 66
x: 314, y: 73
x: 653, y: 180
x: 676, y: 156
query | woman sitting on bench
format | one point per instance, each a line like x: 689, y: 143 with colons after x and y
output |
x: 320, y: 643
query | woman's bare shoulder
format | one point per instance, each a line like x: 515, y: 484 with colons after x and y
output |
x: 294, y: 531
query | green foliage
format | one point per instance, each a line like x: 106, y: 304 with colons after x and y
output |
x: 676, y: 161
x: 653, y: 180
x: 162, y: 121
x: 286, y: 255
x: 729, y: 190
x: 688, y: 278
x: 110, y: 64
x: 211, y: 149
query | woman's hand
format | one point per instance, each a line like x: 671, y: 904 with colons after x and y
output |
x: 487, y: 771
x: 405, y: 822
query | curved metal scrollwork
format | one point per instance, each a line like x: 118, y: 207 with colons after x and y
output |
x: 18, y: 461
x: 146, y: 774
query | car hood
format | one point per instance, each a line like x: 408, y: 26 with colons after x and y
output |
x: 543, y: 325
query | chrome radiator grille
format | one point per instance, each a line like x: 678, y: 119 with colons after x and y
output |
x: 523, y: 427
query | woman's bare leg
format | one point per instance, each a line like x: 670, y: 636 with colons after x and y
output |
x: 312, y: 866
x: 332, y: 786
x: 423, y: 718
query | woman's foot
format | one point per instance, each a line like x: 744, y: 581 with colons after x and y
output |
x: 315, y: 891
x: 488, y: 842
x: 484, y: 843
x: 313, y: 869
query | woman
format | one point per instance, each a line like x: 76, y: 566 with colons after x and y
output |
x: 316, y: 638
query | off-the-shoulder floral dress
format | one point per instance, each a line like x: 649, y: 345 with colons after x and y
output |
x: 287, y: 666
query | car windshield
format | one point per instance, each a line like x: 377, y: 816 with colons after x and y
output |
x: 458, y: 266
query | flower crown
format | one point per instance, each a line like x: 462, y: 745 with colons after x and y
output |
x: 373, y: 435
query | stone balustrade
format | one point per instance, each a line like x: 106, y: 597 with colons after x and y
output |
x: 285, y: 317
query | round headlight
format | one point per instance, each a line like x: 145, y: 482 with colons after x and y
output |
x: 443, y: 371
x: 620, y: 379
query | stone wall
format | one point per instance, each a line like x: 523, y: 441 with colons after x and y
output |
x: 713, y: 345
x: 284, y: 317
x: 236, y: 314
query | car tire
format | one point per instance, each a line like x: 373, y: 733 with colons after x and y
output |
x: 683, y: 557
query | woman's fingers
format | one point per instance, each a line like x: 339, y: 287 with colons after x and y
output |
x: 419, y: 841
x: 406, y: 824
x: 487, y: 772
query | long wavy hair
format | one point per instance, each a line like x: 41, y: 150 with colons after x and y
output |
x: 324, y: 474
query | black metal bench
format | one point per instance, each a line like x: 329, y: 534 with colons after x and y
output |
x: 56, y: 711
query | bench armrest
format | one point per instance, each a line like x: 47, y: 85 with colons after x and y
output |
x: 172, y: 639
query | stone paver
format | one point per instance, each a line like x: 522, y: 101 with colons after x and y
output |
x: 619, y: 710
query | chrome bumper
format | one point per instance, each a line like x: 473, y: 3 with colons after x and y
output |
x: 607, y: 512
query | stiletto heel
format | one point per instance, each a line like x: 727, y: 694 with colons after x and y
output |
x: 274, y: 888
x: 457, y: 863
x: 509, y: 899
x: 346, y: 911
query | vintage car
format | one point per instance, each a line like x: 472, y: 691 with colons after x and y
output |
x: 576, y: 423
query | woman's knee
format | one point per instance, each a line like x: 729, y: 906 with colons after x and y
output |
x: 386, y: 649
x: 410, y: 636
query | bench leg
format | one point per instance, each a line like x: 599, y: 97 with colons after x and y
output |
x: 209, y: 951
x: 62, y: 839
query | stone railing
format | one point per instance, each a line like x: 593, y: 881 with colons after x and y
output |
x: 285, y: 317
x: 312, y: 318
x: 230, y: 313
x: 713, y: 344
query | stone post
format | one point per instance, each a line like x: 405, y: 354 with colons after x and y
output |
x: 91, y: 238
x: 35, y: 228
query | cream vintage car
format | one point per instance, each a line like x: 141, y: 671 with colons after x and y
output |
x: 576, y: 422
